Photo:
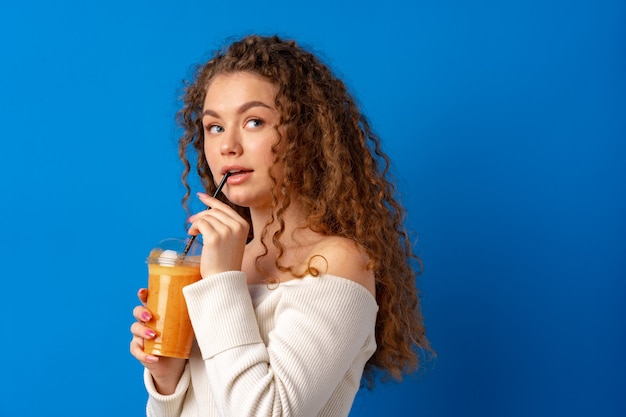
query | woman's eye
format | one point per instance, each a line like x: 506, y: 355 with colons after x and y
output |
x: 213, y: 129
x: 254, y: 123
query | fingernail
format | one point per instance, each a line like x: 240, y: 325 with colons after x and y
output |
x: 201, y: 195
x: 150, y: 333
x: 151, y: 358
x: 145, y: 316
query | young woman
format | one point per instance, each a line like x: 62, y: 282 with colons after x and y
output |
x: 308, y: 282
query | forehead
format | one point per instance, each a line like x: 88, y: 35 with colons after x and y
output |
x: 239, y: 86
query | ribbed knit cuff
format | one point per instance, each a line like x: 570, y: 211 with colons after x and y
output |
x: 221, y: 312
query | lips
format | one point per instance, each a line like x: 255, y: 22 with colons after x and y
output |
x: 238, y: 176
x: 234, y: 169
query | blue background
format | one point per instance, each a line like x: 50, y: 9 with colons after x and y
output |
x: 506, y: 122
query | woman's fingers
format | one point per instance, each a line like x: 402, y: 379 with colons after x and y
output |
x: 136, y: 349
x: 213, y: 202
x: 142, y: 294
x: 219, y: 228
x: 221, y: 221
x: 214, y: 205
x: 224, y: 235
x: 142, y: 314
x: 141, y: 330
x: 140, y: 333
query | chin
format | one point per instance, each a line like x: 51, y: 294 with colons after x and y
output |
x: 246, y: 199
x: 239, y: 200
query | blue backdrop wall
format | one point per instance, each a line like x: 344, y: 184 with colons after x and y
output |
x: 506, y: 122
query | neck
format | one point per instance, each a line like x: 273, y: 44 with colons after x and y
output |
x: 293, y: 218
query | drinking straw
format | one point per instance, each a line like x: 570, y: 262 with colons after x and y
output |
x: 217, y: 191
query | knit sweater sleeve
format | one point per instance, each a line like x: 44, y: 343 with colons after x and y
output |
x: 319, y: 331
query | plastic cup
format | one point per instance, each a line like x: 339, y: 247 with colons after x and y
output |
x: 168, y: 272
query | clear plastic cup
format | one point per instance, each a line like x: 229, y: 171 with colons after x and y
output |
x: 168, y: 272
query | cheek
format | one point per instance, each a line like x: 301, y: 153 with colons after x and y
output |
x: 211, y: 148
x: 211, y: 155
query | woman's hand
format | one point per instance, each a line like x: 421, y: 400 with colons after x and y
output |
x: 166, y: 372
x: 224, y: 234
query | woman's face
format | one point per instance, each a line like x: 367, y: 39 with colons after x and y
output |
x: 239, y: 118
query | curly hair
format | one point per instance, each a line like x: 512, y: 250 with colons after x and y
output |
x: 335, y: 167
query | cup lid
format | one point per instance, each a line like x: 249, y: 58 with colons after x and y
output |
x: 170, y: 252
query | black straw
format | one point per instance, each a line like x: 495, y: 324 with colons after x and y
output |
x: 217, y: 191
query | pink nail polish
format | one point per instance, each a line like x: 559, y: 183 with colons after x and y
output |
x: 150, y: 333
x: 145, y: 316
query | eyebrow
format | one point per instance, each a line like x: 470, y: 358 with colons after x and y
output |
x: 243, y: 108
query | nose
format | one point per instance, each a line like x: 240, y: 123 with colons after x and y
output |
x: 231, y: 143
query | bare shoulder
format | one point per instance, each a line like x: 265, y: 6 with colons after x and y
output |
x: 344, y: 258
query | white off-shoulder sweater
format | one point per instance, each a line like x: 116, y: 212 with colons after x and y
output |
x: 296, y: 350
